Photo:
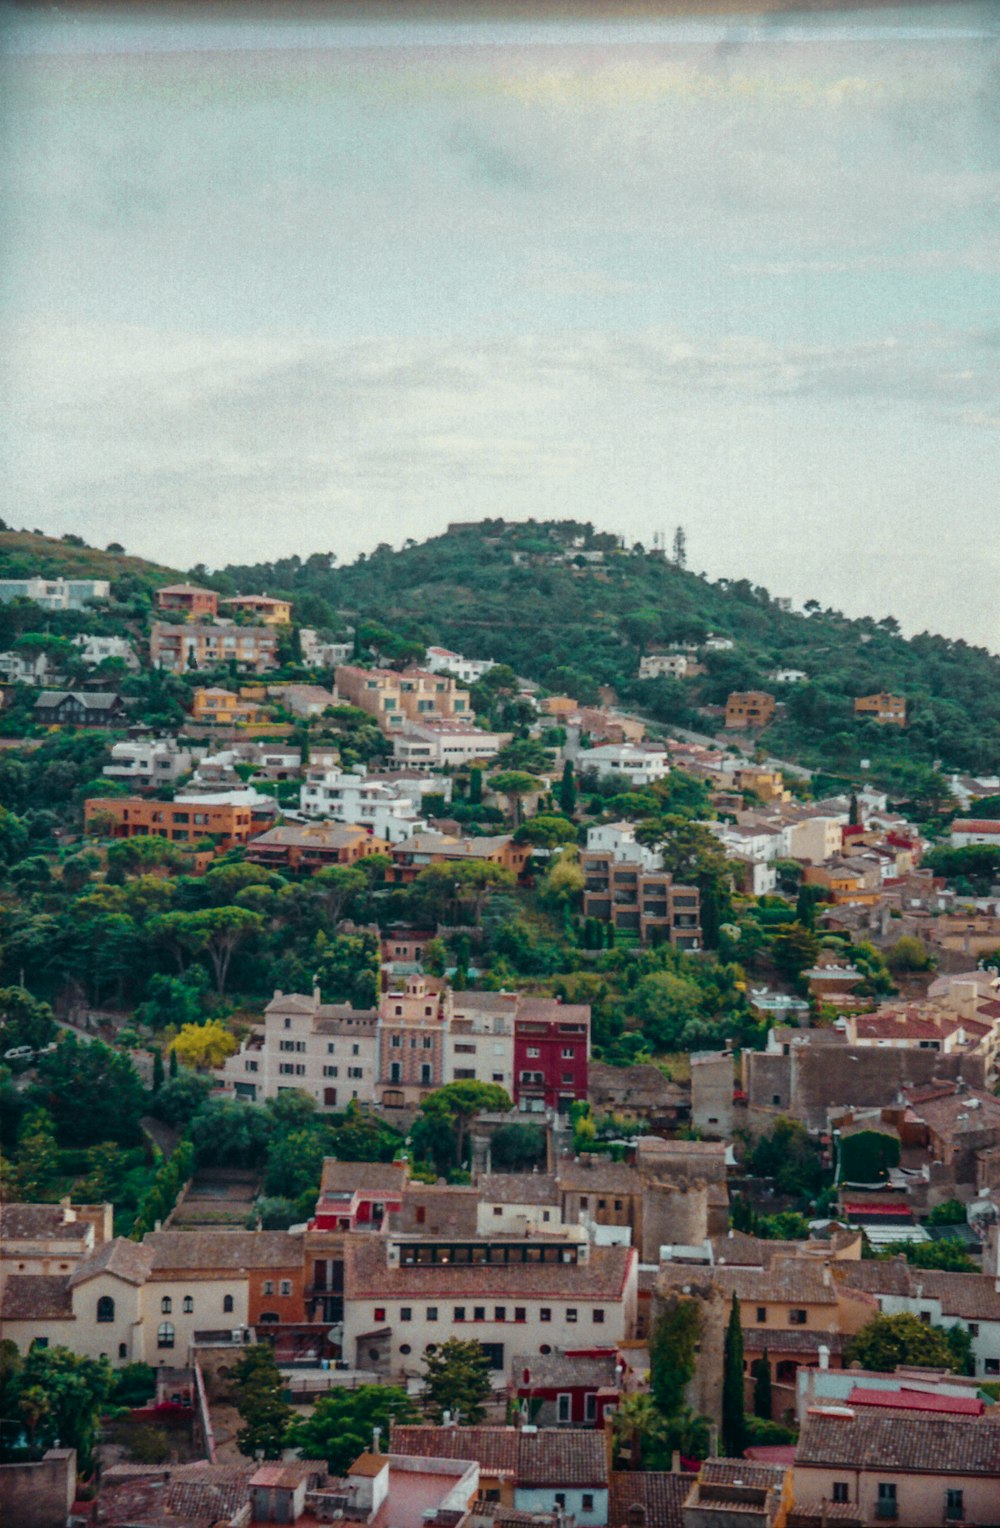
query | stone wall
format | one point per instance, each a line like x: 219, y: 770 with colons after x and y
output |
x: 39, y: 1495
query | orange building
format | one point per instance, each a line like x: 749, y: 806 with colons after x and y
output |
x: 749, y: 708
x: 221, y: 708
x: 189, y: 599
x: 422, y: 849
x: 311, y: 845
x: 393, y: 699
x: 270, y: 611
x: 888, y: 710
x: 183, y: 822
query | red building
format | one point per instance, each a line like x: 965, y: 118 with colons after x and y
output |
x: 551, y: 1054
x: 572, y: 1388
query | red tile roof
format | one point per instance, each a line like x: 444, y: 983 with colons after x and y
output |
x: 559, y: 1456
x: 917, y: 1400
x: 870, y: 1440
x: 493, y: 1448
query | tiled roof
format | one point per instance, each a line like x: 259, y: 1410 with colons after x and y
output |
x: 35, y: 1222
x: 902, y: 1441
x: 799, y: 1339
x: 126, y: 1259
x: 908, y: 1399
x: 368, y: 1177
x: 189, y: 1495
x: 518, y: 1188
x: 730, y: 1472
x: 494, y: 1448
x: 562, y: 1456
x: 642, y: 1086
x: 549, y: 1370
x: 201, y: 1254
x: 368, y: 1276
x: 37, y: 1297
x: 659, y: 1494
x: 594, y: 1175
x: 788, y: 1281
x: 823, y: 1511
x: 975, y: 825
x: 971, y: 1296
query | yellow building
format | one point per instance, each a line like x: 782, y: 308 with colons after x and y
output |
x: 216, y: 707
x: 270, y: 611
x: 888, y: 710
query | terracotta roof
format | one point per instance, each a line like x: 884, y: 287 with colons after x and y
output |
x: 787, y: 1281
x: 37, y: 1297
x: 906, y: 1399
x: 799, y: 1339
x: 518, y: 1188
x: 189, y: 1495
x: 903, y: 1441
x: 36, y: 1222
x: 971, y: 1296
x: 730, y: 1472
x: 368, y: 1276
x: 562, y: 1456
x: 126, y: 1259
x: 550, y: 1370
x: 640, y: 1086
x: 824, y: 1511
x: 201, y: 1254
x: 494, y: 1448
x: 596, y: 1174
x: 659, y: 1494
x: 368, y: 1177
x: 976, y: 825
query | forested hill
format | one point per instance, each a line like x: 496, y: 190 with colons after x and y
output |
x: 566, y: 605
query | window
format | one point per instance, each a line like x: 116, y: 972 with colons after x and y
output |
x: 285, y: 1287
x: 40, y: 1342
x: 123, y: 1350
x: 520, y: 1314
x: 571, y: 1313
x: 330, y: 1071
x: 560, y: 1498
x: 598, y: 1317
x: 973, y: 1328
x: 166, y: 1305
x: 991, y: 1365
x: 798, y: 1317
x: 545, y: 1314
x: 499, y: 1313
x: 164, y: 1335
x: 533, y: 1051
x: 498, y: 1209
x: 840, y: 1490
x: 564, y: 1408
x: 188, y: 1304
x: 425, y: 1072
x: 590, y: 1407
x: 588, y: 1501
x: 459, y: 1313
x: 954, y: 1505
x: 618, y: 1204
x: 432, y: 1313
x: 267, y: 1287
x: 406, y: 1313
x: 331, y: 1048
x: 479, y: 1313
x: 568, y: 1053
x: 405, y: 1349
x: 761, y: 1313
x: 227, y: 1304
x: 379, y: 1313
x: 602, y: 1204
x: 886, y: 1506
x: 105, y: 1308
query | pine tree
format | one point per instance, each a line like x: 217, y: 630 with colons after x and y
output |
x: 567, y: 790
x: 157, y: 1071
x: 762, y: 1387
x: 733, y: 1424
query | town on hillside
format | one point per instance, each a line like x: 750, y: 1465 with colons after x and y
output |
x: 492, y: 1054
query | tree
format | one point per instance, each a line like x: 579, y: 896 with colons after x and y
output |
x: 794, y: 949
x: 93, y: 1093
x: 885, y: 1342
x: 158, y: 1072
x: 949, y: 1254
x: 673, y: 1346
x: 214, y: 931
x: 567, y: 790
x: 457, y: 1104
x: 75, y: 1390
x: 514, y: 784
x: 38, y: 1156
x: 517, y: 1148
x: 761, y: 1371
x: 24, y: 1020
x: 179, y: 1100
x: 340, y: 1427
x: 639, y: 1430
x: 546, y: 830
x: 457, y: 1380
x: 909, y: 953
x: 733, y: 1421
x: 229, y: 1132
x: 294, y: 1164
x: 334, y: 886
x: 203, y: 1046
x: 444, y: 887
x: 680, y: 547
x: 867, y: 1155
x: 258, y: 1391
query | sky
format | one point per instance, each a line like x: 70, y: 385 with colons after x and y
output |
x: 326, y: 278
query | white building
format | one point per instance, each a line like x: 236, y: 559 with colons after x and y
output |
x: 389, y: 810
x: 148, y: 761
x: 618, y: 839
x: 714, y: 644
x: 27, y: 668
x: 319, y: 654
x: 665, y: 665
x: 757, y: 847
x: 974, y: 830
x: 816, y: 839
x: 440, y: 660
x: 788, y: 676
x: 94, y: 650
x: 327, y: 1050
x: 55, y: 593
x: 442, y: 745
x: 634, y: 762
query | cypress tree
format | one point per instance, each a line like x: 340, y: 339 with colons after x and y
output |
x: 567, y: 790
x: 475, y: 786
x: 157, y: 1071
x: 173, y: 1063
x: 733, y: 1428
x: 762, y: 1387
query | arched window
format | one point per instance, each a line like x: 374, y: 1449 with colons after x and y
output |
x: 227, y: 1304
x: 164, y: 1335
x: 105, y: 1308
x: 188, y: 1304
x: 123, y: 1350
x: 166, y: 1305
x: 268, y: 1317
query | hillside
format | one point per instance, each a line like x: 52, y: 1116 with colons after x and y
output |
x: 27, y: 554
x: 565, y: 605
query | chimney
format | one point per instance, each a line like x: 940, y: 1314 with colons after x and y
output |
x: 824, y: 1356
x: 376, y: 1436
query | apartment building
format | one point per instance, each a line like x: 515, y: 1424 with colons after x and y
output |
x: 311, y: 845
x: 635, y: 763
x: 183, y: 822
x: 327, y: 1050
x: 888, y: 710
x: 440, y: 660
x: 413, y: 1023
x: 393, y: 698
x: 148, y: 762
x: 388, y: 809
x: 270, y: 612
x: 55, y: 593
x: 551, y: 1054
x: 189, y: 600
x: 198, y: 646
x: 445, y: 745
x: 406, y: 1295
x: 640, y: 901
x: 422, y: 849
x: 749, y: 708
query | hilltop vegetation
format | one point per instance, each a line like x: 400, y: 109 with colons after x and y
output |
x: 538, y: 597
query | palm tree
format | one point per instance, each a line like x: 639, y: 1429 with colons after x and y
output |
x: 638, y: 1429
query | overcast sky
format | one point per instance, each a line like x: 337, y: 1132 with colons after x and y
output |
x: 317, y: 282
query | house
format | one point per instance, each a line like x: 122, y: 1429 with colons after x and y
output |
x: 309, y: 846
x: 183, y: 822
x: 304, y: 699
x: 910, y: 1469
x: 440, y: 660
x: 635, y: 763
x: 387, y: 808
x: 551, y: 1053
x: 393, y: 698
x: 95, y: 650
x: 190, y: 600
x: 148, y: 762
x: 640, y: 1092
x: 270, y: 612
x: 327, y: 1050
x: 942, y: 1298
x: 214, y: 706
x: 445, y: 744
x: 974, y: 830
x: 55, y: 593
x: 640, y: 901
x: 422, y: 849
x: 888, y: 710
x: 28, y: 667
x: 740, y: 1493
x: 665, y: 666
x: 79, y: 708
x: 749, y: 708
x: 494, y: 1449
x: 575, y: 1388
x: 563, y: 1472
x: 180, y: 649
